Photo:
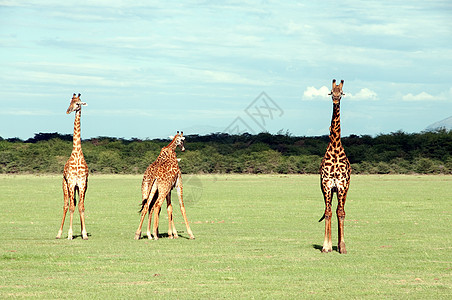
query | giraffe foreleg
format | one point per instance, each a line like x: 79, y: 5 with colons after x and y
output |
x: 65, y: 207
x: 327, y: 242
x: 179, y: 190
x: 145, y: 209
x: 340, y: 212
x: 81, y: 209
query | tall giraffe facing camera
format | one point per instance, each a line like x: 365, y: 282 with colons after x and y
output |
x: 75, y: 174
x: 335, y: 173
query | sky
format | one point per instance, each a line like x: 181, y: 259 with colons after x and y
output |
x: 147, y: 69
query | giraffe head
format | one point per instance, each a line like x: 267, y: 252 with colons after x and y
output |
x: 179, y: 140
x: 76, y: 104
x: 336, y: 92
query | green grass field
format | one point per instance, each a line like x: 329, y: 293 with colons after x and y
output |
x: 256, y: 237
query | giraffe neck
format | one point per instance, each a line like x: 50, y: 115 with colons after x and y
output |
x: 168, y: 152
x: 172, y: 145
x: 76, y: 139
x: 335, y: 129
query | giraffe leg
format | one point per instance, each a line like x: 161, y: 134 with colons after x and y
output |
x: 146, y: 187
x: 340, y: 219
x: 172, y: 232
x: 182, y: 207
x: 81, y: 209
x: 145, y: 210
x: 71, y: 210
x: 327, y: 243
x: 65, y: 207
x: 148, y: 231
x: 158, y: 204
x: 171, y: 217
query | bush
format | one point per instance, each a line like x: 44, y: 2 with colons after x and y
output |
x: 426, y: 153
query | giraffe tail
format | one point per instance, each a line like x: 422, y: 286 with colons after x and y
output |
x: 145, y: 201
x: 323, y: 217
x: 142, y: 205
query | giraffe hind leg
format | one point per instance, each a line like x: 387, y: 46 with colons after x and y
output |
x: 172, y: 232
x: 145, y: 209
x: 65, y: 207
x: 151, y: 210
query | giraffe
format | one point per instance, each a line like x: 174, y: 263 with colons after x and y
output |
x: 159, y: 179
x: 335, y: 173
x: 75, y: 174
x: 149, y: 176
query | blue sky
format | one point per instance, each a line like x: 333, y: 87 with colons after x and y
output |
x: 150, y: 68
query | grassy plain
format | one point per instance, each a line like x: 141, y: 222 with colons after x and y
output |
x: 256, y: 237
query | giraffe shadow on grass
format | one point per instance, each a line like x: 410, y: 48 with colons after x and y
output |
x: 76, y: 236
x: 320, y: 247
x: 165, y: 235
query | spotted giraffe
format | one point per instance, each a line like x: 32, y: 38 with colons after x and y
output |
x: 149, y: 176
x: 159, y: 179
x: 75, y: 174
x: 335, y: 173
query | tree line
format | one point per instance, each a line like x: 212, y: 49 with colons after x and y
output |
x: 394, y: 153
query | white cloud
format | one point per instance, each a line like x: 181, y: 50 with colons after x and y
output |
x: 419, y: 97
x: 363, y: 94
x: 424, y: 96
x: 311, y: 92
x: 323, y: 92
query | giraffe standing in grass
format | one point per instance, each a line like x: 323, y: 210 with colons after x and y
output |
x: 335, y: 173
x: 150, y: 176
x: 75, y: 174
x: 158, y: 181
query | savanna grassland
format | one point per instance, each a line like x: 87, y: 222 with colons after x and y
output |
x: 257, y: 236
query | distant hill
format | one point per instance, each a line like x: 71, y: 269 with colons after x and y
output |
x: 446, y: 124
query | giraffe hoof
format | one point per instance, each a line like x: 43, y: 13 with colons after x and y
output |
x: 342, y: 250
x: 326, y: 250
x: 137, y: 236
